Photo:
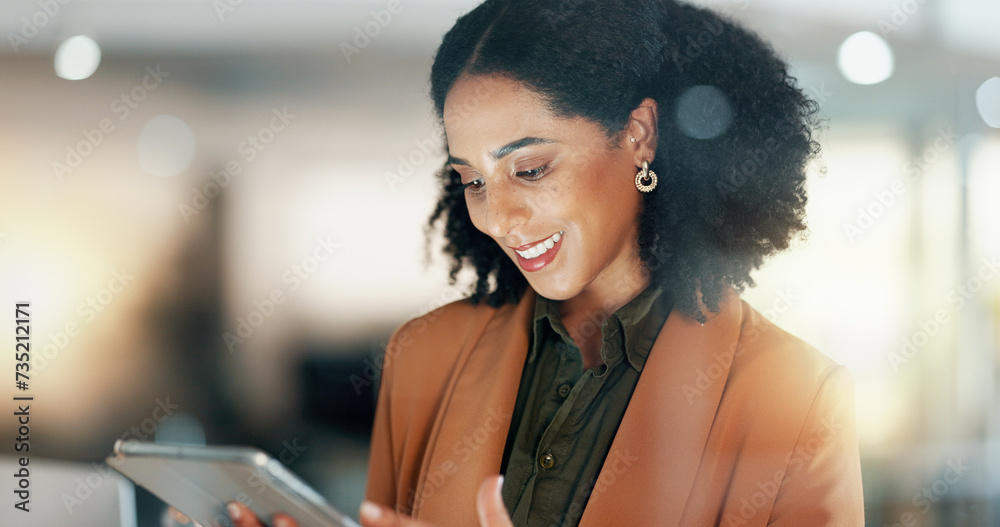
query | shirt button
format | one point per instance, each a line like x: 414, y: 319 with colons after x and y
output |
x: 547, y: 461
x: 564, y: 390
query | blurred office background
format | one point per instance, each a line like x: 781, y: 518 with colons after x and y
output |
x: 219, y: 222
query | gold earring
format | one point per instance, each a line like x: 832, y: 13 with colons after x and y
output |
x: 645, y: 174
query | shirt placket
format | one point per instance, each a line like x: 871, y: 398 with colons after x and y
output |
x: 553, y: 451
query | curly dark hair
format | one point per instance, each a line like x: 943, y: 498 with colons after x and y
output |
x: 731, y: 163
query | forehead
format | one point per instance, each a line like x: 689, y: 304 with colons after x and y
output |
x: 493, y: 110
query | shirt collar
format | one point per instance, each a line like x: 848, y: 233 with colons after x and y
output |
x: 641, y: 318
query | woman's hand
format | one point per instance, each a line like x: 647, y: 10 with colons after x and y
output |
x: 242, y: 516
x: 489, y: 504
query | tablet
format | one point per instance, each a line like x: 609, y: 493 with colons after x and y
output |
x: 198, y: 481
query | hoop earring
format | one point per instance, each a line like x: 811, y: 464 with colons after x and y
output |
x: 644, y: 175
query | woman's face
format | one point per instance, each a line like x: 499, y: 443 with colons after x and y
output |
x: 532, y: 177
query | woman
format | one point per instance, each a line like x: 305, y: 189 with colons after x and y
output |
x: 616, y: 169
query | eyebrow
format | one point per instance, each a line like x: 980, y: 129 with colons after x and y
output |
x: 505, y: 150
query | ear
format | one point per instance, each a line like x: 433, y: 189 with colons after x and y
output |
x: 644, y: 127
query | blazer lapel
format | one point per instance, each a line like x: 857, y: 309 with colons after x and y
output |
x: 659, y: 444
x: 470, y: 432
x: 656, y: 451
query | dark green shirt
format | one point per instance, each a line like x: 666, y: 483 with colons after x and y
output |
x: 565, y: 418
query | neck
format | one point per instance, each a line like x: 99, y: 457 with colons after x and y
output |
x: 602, y: 299
x: 592, y: 306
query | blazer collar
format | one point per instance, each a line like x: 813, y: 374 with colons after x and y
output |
x: 632, y: 325
x: 658, y: 446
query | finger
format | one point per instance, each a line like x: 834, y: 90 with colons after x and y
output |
x: 489, y: 504
x: 178, y: 516
x: 283, y: 520
x: 242, y: 516
x: 374, y: 515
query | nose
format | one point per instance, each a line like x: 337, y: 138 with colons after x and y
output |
x: 505, y: 209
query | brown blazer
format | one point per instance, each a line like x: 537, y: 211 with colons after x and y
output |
x: 732, y: 423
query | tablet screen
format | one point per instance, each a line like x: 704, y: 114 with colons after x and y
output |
x: 199, y: 481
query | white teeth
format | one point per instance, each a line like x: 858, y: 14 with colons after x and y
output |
x: 540, y: 248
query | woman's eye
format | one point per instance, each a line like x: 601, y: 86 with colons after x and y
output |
x: 476, y: 185
x: 473, y: 186
x: 534, y: 173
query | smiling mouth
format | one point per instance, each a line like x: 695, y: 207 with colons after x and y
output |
x: 541, y: 247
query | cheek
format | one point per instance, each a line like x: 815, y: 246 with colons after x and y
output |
x: 590, y: 200
x: 602, y: 207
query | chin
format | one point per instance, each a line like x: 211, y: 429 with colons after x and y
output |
x: 546, y: 288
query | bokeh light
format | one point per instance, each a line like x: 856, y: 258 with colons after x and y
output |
x: 865, y: 58
x: 77, y: 58
x: 988, y: 101
x: 703, y: 112
x: 166, y: 146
